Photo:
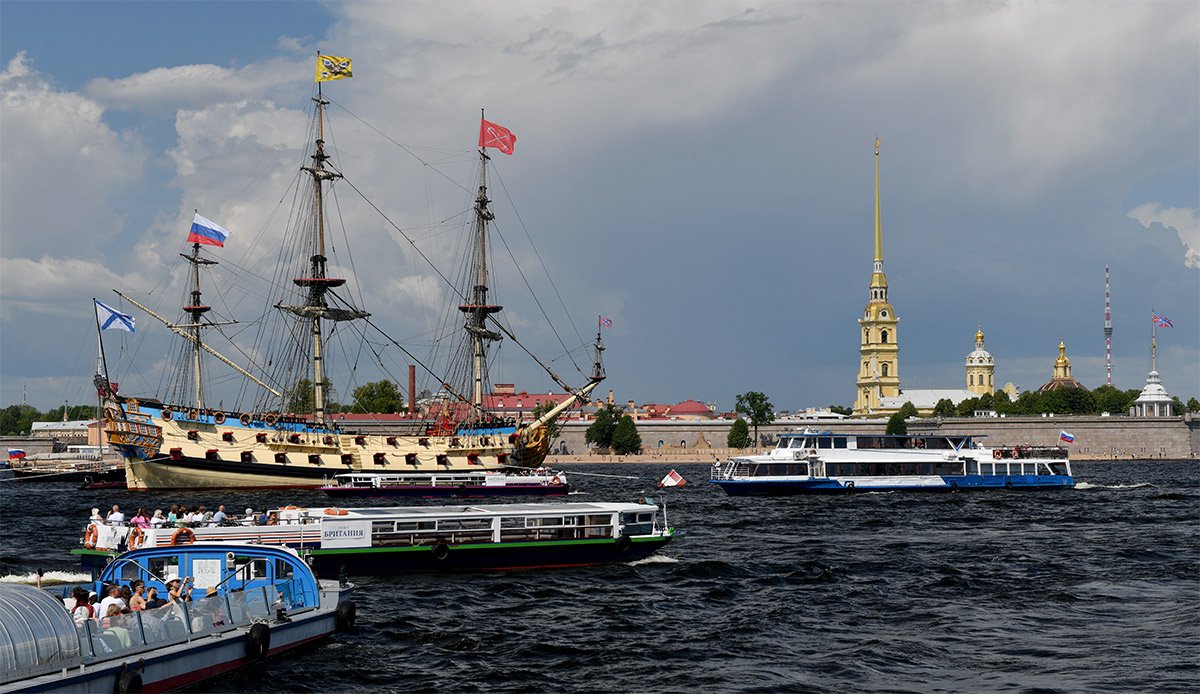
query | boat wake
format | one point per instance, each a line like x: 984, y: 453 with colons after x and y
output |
x: 655, y: 559
x: 48, y: 577
x: 1089, y: 485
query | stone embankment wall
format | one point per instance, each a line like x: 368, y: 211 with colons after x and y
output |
x: 1096, y: 438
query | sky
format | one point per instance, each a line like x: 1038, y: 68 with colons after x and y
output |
x: 700, y: 173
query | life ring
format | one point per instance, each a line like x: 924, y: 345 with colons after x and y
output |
x: 335, y: 512
x: 245, y: 419
x: 219, y: 418
x: 182, y: 533
x: 270, y: 418
x: 850, y: 484
x: 441, y: 551
x: 167, y: 414
x: 258, y: 641
x: 996, y: 454
x: 136, y: 537
x: 557, y: 479
x: 90, y: 537
x: 289, y: 508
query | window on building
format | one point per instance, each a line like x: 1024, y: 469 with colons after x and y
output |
x: 885, y: 369
x: 971, y: 380
x: 883, y: 336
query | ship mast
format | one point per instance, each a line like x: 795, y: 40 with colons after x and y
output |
x: 317, y: 284
x: 478, y: 309
x: 196, y: 309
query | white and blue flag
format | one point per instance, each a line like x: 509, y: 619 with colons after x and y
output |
x: 112, y: 319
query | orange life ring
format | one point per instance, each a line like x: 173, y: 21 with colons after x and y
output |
x: 244, y: 419
x: 90, y: 537
x: 183, y: 532
x: 167, y: 414
x: 219, y: 418
x: 289, y: 508
x: 996, y: 454
x: 270, y: 418
x: 335, y: 511
x: 136, y: 537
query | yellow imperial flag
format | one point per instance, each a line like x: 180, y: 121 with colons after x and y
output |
x: 332, y: 67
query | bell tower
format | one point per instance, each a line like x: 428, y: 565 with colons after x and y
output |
x: 879, y: 363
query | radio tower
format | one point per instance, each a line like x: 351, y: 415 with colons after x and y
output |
x: 1107, y: 327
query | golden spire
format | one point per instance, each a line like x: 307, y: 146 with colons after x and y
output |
x: 979, y: 337
x: 878, y: 225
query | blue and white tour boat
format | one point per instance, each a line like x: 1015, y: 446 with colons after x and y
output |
x: 238, y: 604
x: 817, y: 462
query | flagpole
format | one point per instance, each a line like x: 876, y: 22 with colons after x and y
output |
x: 1153, y: 340
x: 100, y: 339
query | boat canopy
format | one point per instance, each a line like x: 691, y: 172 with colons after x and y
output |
x: 37, y: 633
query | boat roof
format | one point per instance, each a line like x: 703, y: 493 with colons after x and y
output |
x: 529, y: 509
x: 826, y: 432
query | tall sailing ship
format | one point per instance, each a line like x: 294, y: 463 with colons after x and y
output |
x: 186, y: 443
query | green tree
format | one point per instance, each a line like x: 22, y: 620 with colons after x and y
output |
x: 1176, y: 406
x: 553, y: 428
x: 625, y: 438
x: 1002, y: 403
x: 378, y: 396
x: 896, y: 424
x: 967, y: 407
x: 1112, y: 400
x: 739, y: 434
x: 944, y: 408
x: 987, y: 401
x: 757, y: 408
x: 908, y: 410
x: 839, y: 409
x: 17, y: 420
x: 1027, y: 403
x: 301, y: 397
x: 1193, y: 405
x: 601, y: 431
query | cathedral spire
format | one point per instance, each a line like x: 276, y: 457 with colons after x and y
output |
x: 878, y: 279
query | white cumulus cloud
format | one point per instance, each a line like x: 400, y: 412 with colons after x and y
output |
x: 1182, y: 220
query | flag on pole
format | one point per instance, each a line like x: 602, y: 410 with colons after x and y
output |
x: 606, y: 322
x: 207, y: 232
x: 112, y: 319
x: 1066, y: 436
x: 15, y: 454
x: 1161, y: 320
x: 673, y: 479
x: 498, y: 136
x: 332, y: 67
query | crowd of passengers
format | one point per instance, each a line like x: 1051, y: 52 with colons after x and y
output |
x: 108, y: 613
x: 180, y: 516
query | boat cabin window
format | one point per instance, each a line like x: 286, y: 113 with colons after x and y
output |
x: 250, y: 568
x: 165, y: 568
x: 130, y: 570
x: 282, y: 569
x: 638, y: 523
x: 839, y: 442
x: 824, y: 442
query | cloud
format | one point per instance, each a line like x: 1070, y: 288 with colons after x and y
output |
x: 194, y: 86
x: 1183, y: 220
x: 58, y: 150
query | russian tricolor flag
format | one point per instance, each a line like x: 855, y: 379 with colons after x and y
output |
x: 15, y: 454
x: 207, y: 232
x: 1064, y: 436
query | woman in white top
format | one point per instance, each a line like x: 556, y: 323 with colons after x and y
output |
x: 157, y: 520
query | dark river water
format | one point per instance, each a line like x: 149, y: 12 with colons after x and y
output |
x: 1094, y: 589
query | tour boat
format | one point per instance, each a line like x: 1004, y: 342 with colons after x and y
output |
x: 423, y: 538
x: 815, y: 462
x: 283, y: 433
x: 248, y: 603
x: 484, y: 483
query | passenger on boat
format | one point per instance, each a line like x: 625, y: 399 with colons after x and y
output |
x: 127, y: 598
x: 139, y: 519
x: 157, y: 520
x: 179, y: 591
x: 219, y: 517
x: 112, y: 598
x: 81, y: 609
x: 273, y: 519
x: 137, y: 602
x: 113, y: 626
x: 263, y: 518
x: 96, y: 515
x: 115, y: 517
x: 173, y: 514
x: 152, y: 599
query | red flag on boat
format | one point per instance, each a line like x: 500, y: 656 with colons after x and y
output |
x: 498, y: 136
x: 673, y: 479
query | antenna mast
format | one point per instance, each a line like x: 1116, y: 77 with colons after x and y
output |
x: 1107, y: 327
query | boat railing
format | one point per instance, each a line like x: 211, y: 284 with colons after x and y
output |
x: 730, y: 469
x: 1019, y: 452
x: 104, y: 638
